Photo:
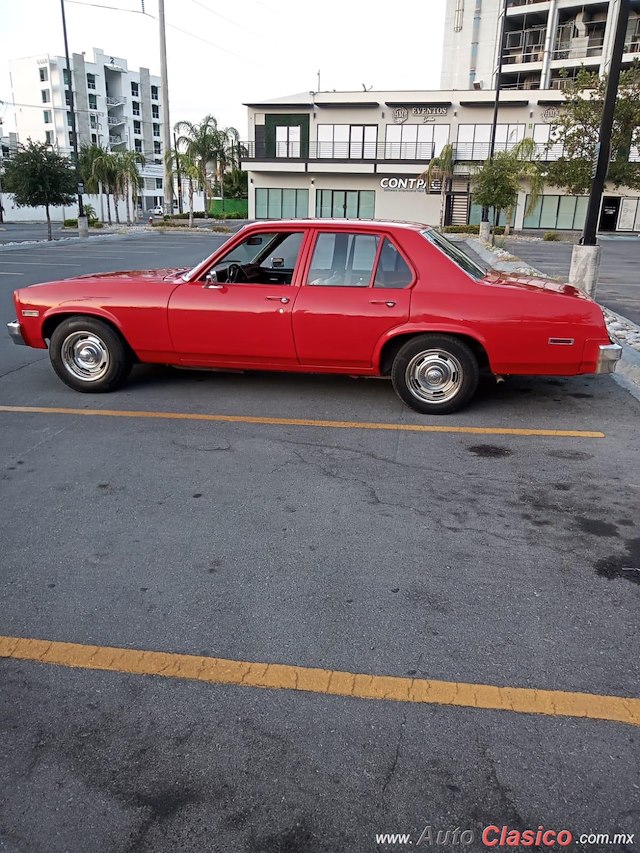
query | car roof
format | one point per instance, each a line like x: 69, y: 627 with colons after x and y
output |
x: 340, y: 224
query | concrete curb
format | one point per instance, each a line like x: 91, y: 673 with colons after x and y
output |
x: 495, y: 261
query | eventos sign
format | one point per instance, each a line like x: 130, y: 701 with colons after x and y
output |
x: 425, y: 112
x: 411, y: 185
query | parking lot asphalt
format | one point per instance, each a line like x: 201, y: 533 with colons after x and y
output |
x: 506, y: 555
x: 618, y: 280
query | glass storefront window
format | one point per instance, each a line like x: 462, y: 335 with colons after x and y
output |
x: 275, y: 203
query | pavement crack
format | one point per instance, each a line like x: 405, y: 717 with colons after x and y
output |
x: 390, y: 773
x: 22, y: 366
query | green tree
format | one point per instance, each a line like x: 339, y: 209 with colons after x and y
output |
x: 497, y: 183
x: 577, y: 125
x: 37, y: 175
x: 183, y: 163
x: 105, y: 170
x: 235, y: 183
x: 201, y: 141
x: 128, y: 178
x: 441, y: 169
x: 87, y: 156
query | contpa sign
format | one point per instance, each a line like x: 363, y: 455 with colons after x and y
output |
x: 403, y: 184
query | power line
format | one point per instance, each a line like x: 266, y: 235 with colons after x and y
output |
x: 224, y: 17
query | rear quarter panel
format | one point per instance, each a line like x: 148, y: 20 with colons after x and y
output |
x: 512, y: 322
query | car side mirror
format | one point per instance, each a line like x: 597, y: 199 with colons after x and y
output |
x: 211, y: 281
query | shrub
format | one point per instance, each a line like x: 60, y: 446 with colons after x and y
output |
x: 550, y: 235
x: 73, y: 223
x: 469, y: 229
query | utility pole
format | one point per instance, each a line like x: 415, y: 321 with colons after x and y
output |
x: 83, y: 229
x: 178, y: 175
x: 166, y: 125
x: 484, y: 225
x: 585, y: 259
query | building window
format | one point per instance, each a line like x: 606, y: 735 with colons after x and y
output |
x: 67, y: 97
x: 353, y: 141
x: 415, y: 141
x: 65, y: 76
x: 558, y: 212
x: 46, y: 114
x: 458, y: 16
x: 157, y: 149
x: 93, y: 121
x: 69, y: 119
x: 44, y: 75
x: 45, y: 96
x: 158, y: 183
x: 91, y: 81
x: 156, y: 130
x: 155, y: 111
x: 282, y: 204
x: 287, y: 141
x: 343, y: 260
x: 545, y: 148
x: 135, y: 91
x: 94, y: 138
x: 345, y: 204
x: 135, y: 106
x: 71, y: 139
x: 93, y: 102
x: 474, y: 140
x: 154, y: 93
x: 138, y: 145
x: 137, y: 127
x: 48, y: 137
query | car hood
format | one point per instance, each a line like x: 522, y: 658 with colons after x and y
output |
x: 137, y: 275
x: 532, y: 283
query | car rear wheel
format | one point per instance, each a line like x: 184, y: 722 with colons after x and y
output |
x: 435, y: 374
x: 88, y: 355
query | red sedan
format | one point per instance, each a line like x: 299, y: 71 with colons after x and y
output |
x: 321, y: 296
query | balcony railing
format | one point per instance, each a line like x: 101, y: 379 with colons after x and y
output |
x: 115, y: 101
x: 567, y: 51
x: 339, y: 151
x: 116, y: 139
x: 419, y: 152
x: 114, y: 120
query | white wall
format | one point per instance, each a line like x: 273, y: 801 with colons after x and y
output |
x: 12, y: 213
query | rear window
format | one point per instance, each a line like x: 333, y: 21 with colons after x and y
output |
x: 460, y: 258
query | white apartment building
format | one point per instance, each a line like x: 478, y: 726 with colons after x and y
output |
x: 116, y: 107
x: 363, y: 154
x: 545, y: 43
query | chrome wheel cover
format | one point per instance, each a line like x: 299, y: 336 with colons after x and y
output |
x: 434, y: 376
x: 85, y: 355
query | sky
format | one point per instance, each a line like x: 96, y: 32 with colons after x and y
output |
x: 221, y: 55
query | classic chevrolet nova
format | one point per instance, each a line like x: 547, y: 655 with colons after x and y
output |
x: 324, y: 296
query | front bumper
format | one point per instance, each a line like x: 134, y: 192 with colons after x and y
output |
x: 608, y: 356
x: 15, y: 333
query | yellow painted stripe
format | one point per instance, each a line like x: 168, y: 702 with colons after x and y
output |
x: 554, y: 703
x: 306, y: 422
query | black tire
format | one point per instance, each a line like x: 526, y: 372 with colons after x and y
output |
x: 453, y: 369
x: 89, y: 356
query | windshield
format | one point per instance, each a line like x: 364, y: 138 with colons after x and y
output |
x: 456, y: 254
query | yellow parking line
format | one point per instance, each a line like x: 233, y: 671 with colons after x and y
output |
x: 553, y: 703
x: 306, y: 422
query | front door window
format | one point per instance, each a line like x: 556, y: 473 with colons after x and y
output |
x: 268, y: 258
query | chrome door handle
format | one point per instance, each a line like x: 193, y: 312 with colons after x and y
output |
x: 283, y: 299
x: 388, y: 302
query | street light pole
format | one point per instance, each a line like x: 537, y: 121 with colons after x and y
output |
x: 82, y: 220
x: 585, y: 259
x: 166, y: 125
x: 484, y: 225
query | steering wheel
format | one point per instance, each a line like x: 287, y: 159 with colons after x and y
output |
x: 235, y: 273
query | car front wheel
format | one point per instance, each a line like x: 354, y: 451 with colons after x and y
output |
x: 88, y: 355
x: 435, y: 374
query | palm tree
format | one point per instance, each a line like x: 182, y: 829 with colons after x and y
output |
x: 441, y: 169
x: 129, y: 178
x: 182, y: 163
x: 87, y: 157
x: 105, y: 170
x: 201, y: 141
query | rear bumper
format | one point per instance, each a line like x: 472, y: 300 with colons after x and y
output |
x: 15, y: 333
x: 608, y: 356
